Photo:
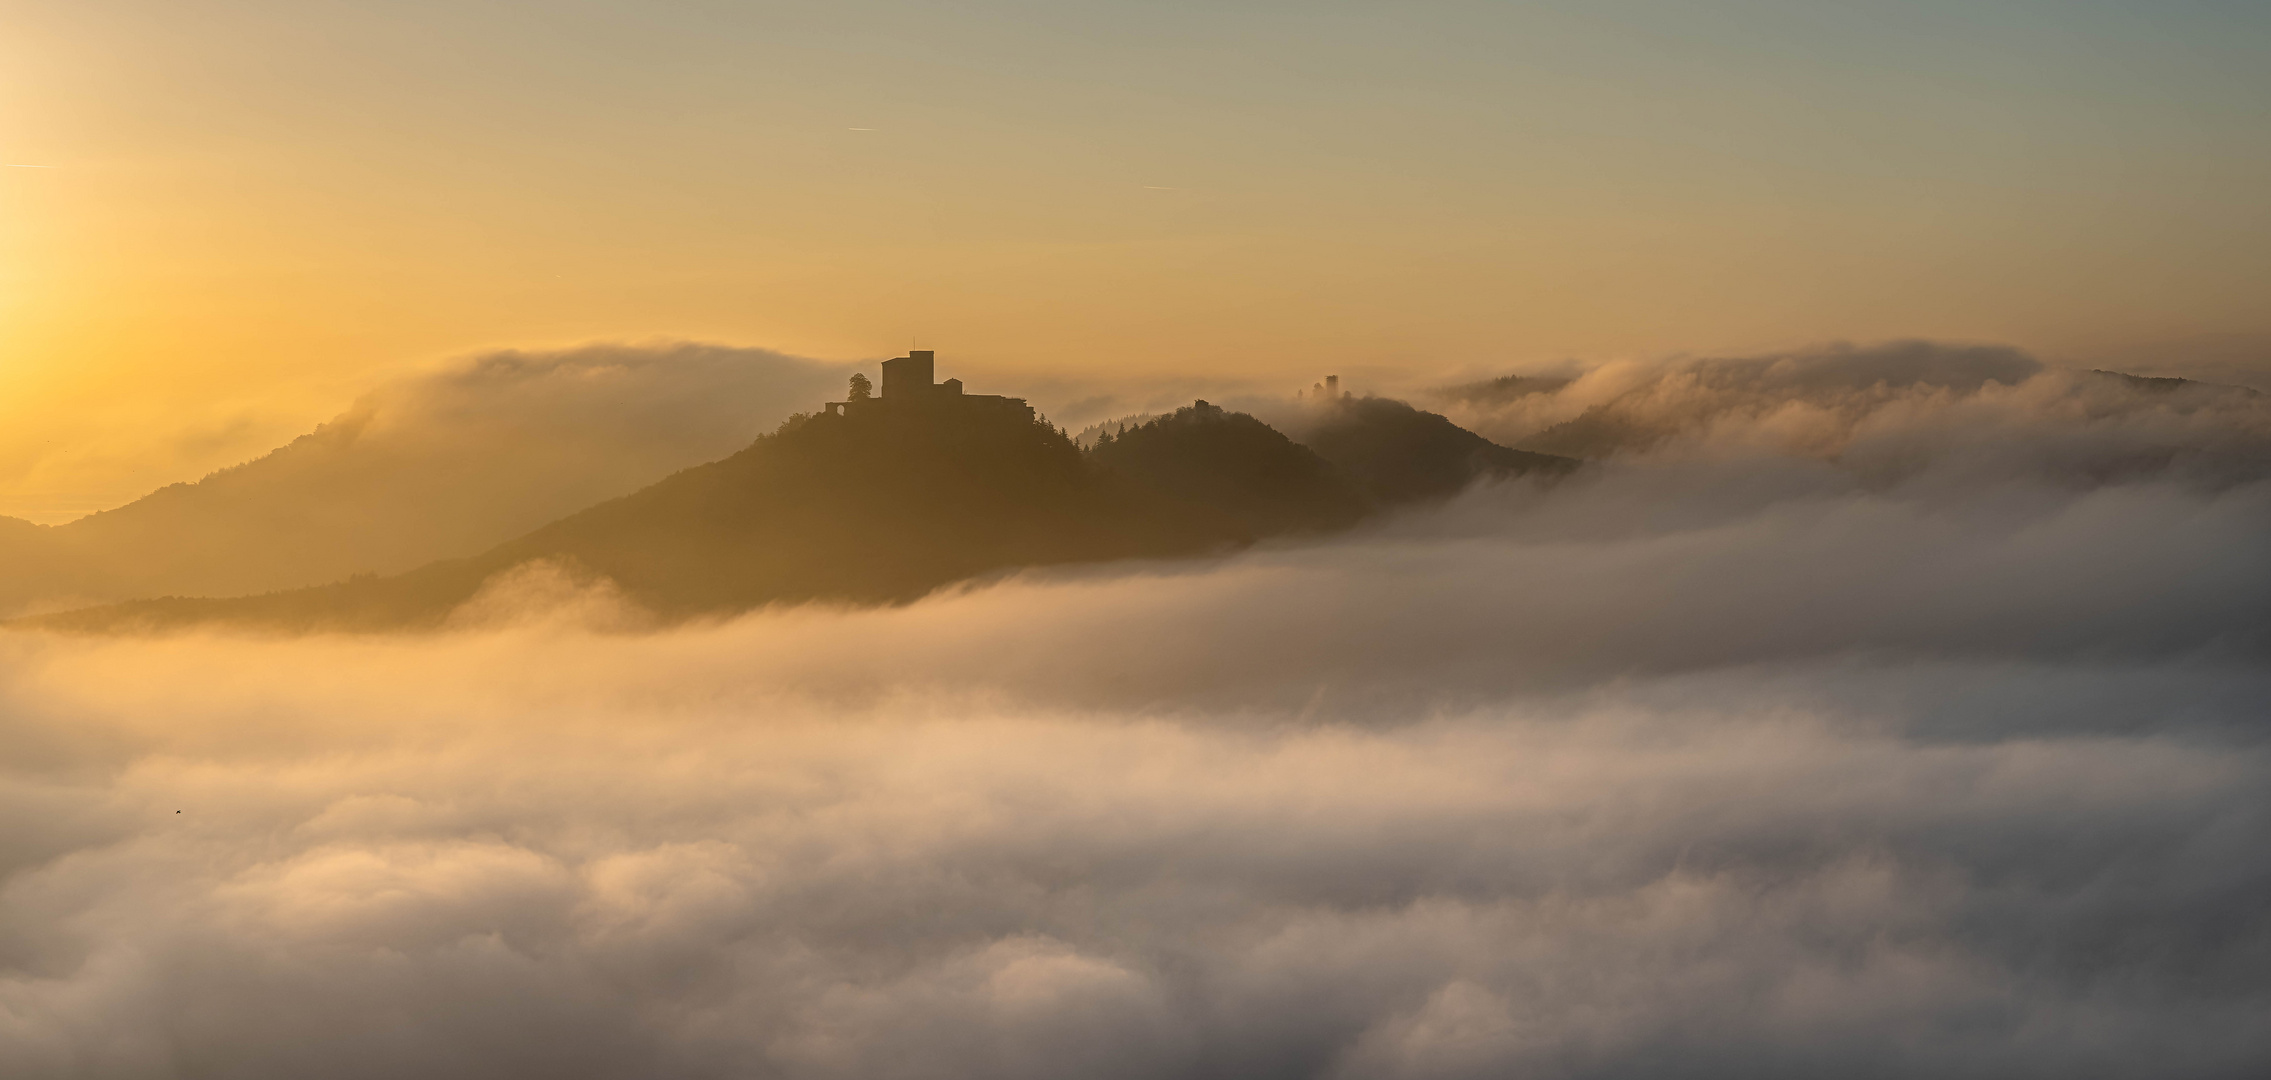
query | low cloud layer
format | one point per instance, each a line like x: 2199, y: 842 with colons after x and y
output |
x: 1887, y: 413
x: 1702, y: 763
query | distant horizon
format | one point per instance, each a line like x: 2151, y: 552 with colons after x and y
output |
x: 53, y: 507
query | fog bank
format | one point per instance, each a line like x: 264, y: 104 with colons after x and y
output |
x: 1885, y: 412
x: 1720, y: 758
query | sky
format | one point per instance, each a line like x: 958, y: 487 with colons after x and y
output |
x: 244, y: 214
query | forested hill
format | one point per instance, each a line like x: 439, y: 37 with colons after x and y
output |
x: 1237, y: 466
x: 870, y: 508
x: 1398, y: 454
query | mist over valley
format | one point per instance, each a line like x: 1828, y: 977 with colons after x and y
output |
x: 1888, y: 711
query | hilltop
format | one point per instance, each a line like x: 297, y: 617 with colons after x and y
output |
x: 1397, y: 454
x: 880, y: 500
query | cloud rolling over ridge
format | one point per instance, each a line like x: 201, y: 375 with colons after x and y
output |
x: 422, y: 468
x: 1887, y: 412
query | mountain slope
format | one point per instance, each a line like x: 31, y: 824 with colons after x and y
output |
x: 1398, y: 454
x: 867, y: 509
x: 435, y: 466
x: 1237, y: 466
x: 881, y: 507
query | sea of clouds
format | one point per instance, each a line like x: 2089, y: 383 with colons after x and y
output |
x: 1838, y: 726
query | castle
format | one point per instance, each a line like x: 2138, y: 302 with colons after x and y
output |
x: 909, y: 382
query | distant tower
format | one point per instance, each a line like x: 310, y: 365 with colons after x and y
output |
x: 1332, y: 387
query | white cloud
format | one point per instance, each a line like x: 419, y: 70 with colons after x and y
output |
x: 1701, y: 765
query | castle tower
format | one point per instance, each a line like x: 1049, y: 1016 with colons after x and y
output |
x: 911, y: 389
x: 909, y: 377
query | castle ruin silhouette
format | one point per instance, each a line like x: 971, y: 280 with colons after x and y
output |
x: 909, y: 383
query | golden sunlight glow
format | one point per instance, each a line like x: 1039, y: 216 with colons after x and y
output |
x: 244, y: 218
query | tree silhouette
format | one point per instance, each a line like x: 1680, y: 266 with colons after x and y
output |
x: 861, y: 388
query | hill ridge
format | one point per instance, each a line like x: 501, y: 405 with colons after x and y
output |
x: 829, y: 507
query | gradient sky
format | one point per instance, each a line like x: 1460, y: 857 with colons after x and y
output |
x: 252, y: 210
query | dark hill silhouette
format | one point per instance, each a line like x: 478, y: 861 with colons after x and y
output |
x: 1237, y: 466
x: 1501, y: 390
x: 866, y: 508
x: 2158, y: 384
x: 878, y: 505
x: 1398, y: 454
